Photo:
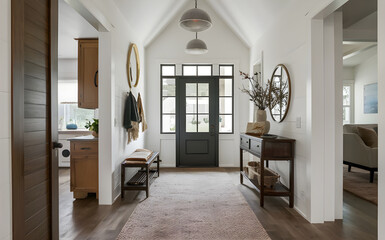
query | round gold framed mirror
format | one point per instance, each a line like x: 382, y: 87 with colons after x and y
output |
x: 280, y: 93
x: 133, y: 65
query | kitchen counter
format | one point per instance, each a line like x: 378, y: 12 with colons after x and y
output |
x: 74, y: 131
x: 88, y: 138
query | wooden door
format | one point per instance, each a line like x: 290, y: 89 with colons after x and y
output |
x: 34, y: 119
x: 197, y: 121
x: 88, y: 73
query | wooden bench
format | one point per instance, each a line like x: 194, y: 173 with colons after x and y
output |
x: 141, y: 180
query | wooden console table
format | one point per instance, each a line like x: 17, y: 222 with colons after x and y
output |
x: 141, y: 180
x: 269, y: 149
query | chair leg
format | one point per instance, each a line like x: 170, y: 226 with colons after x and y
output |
x: 349, y: 168
x: 371, y: 176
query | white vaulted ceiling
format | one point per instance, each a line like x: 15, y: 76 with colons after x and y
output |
x: 72, y: 25
x: 247, y: 18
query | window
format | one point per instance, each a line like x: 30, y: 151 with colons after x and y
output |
x: 348, y: 109
x: 226, y: 98
x: 68, y: 106
x: 196, y: 101
x: 197, y: 70
x: 168, y: 95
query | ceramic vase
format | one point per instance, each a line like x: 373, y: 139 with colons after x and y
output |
x: 261, y: 116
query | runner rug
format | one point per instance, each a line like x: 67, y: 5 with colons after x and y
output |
x: 194, y: 204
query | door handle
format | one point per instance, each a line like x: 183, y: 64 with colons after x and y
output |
x: 95, y: 82
x: 212, y: 129
x: 56, y: 145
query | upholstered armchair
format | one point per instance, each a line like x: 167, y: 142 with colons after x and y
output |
x: 356, y: 152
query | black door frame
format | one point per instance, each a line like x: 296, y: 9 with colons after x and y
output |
x: 178, y: 119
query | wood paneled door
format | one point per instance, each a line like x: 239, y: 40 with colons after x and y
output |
x: 34, y: 119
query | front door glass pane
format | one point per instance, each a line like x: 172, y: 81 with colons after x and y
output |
x: 203, y: 105
x: 191, y: 123
x: 203, y: 123
x: 203, y: 89
x: 191, y: 104
x: 191, y: 89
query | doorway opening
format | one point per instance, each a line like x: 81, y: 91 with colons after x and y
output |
x: 77, y: 108
x: 343, y: 35
x: 360, y: 109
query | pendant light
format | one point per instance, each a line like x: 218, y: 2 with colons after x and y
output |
x: 196, y: 46
x: 195, y: 20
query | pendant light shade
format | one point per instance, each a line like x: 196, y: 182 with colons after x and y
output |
x: 195, y: 20
x: 196, y: 46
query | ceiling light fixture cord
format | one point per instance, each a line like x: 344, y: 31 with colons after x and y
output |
x: 196, y: 35
x: 196, y: 3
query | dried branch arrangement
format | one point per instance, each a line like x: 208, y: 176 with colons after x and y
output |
x: 262, y: 97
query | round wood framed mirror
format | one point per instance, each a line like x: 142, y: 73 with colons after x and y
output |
x: 133, y: 65
x: 280, y: 93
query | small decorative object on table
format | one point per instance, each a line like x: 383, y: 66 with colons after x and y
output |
x: 269, y: 136
x: 94, y: 127
x: 262, y: 98
x: 72, y: 126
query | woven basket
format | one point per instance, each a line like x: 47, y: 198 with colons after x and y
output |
x: 246, y: 170
x: 271, y: 177
x: 253, y: 164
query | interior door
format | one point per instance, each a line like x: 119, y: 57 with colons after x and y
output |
x: 34, y: 119
x: 197, y: 121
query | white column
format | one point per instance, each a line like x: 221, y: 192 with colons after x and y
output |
x: 333, y: 116
x: 381, y: 119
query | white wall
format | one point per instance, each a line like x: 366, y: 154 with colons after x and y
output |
x: 289, y: 42
x: 224, y: 47
x: 113, y: 147
x: 5, y: 120
x: 365, y: 73
x: 67, y: 69
x: 292, y: 52
x: 348, y: 73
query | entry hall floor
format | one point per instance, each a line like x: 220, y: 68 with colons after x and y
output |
x: 85, y: 219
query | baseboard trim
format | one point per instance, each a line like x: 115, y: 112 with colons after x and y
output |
x: 296, y: 209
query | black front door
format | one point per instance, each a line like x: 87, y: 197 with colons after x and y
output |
x: 197, y: 121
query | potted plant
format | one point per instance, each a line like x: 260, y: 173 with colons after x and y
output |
x: 94, y: 127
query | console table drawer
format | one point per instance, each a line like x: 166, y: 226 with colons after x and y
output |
x: 255, y: 146
x: 245, y: 142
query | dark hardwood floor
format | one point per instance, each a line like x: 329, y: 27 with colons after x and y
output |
x: 85, y: 219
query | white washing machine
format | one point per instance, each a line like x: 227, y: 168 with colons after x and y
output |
x: 64, y: 152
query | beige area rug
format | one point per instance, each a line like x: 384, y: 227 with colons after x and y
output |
x: 194, y: 204
x: 357, y: 182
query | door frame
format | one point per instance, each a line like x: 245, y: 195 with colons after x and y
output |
x: 178, y: 119
x: 17, y: 132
